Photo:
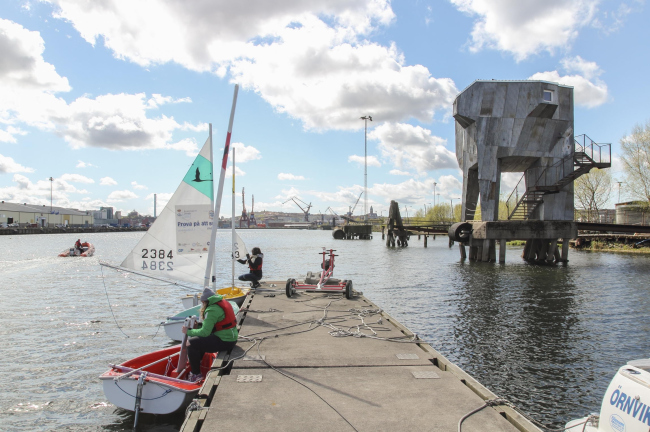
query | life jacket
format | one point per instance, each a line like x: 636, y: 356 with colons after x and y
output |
x: 230, y: 320
x: 254, y: 267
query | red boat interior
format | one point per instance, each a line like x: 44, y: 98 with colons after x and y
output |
x: 166, y: 368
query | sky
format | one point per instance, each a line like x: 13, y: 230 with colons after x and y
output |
x: 112, y: 98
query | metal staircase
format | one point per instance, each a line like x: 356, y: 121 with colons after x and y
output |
x: 587, y: 155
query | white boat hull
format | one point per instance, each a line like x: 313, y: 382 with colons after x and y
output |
x: 157, y: 398
x: 173, y: 330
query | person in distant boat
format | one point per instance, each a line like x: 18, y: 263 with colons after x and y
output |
x: 77, y: 246
x: 217, y: 331
x: 255, y: 265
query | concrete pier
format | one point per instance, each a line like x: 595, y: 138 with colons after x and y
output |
x: 320, y: 362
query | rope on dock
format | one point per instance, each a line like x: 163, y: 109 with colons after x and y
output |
x: 304, y: 385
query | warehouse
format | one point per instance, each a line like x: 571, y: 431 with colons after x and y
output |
x: 26, y: 215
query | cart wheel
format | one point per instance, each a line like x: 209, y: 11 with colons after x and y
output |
x: 289, y: 288
x: 348, y: 290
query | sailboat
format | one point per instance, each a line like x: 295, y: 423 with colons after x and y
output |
x: 179, y: 245
x: 235, y: 295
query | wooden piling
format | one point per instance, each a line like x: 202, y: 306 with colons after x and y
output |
x: 425, y: 241
x: 463, y: 255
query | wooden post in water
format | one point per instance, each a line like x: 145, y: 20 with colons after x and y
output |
x: 463, y: 255
x: 425, y: 240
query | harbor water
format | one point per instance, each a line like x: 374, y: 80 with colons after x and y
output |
x: 547, y: 338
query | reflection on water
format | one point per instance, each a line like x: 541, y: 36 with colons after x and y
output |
x: 549, y: 339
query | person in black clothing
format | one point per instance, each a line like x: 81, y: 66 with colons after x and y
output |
x: 255, y: 265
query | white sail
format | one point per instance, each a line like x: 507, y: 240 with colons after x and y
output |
x: 176, y: 246
x: 239, y: 250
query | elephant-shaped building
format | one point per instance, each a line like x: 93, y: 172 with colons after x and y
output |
x: 526, y: 127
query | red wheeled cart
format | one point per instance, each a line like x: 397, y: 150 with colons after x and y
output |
x: 322, y: 282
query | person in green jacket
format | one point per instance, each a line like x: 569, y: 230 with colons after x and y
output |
x: 207, y: 338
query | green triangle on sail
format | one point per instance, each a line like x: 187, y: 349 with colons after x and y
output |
x: 200, y: 177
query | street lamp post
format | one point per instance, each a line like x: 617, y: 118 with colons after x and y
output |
x: 365, y: 166
x: 51, y: 188
x: 434, y: 193
x: 452, y: 208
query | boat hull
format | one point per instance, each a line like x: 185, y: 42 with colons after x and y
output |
x: 157, y: 398
x: 163, y: 391
x: 235, y: 294
x: 174, y: 324
x: 72, y: 252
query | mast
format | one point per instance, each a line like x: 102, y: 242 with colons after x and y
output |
x: 232, y: 225
x: 217, y: 206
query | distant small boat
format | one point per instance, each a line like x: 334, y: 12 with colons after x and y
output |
x: 87, y: 249
x: 167, y: 389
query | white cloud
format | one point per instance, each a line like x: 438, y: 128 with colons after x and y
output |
x: 287, y: 176
x: 107, y: 181
x: 28, y: 86
x: 83, y: 164
x: 39, y: 193
x: 27, y: 82
x: 372, y: 160
x: 588, y: 89
x: 526, y: 27
x: 118, y: 196
x: 117, y: 122
x: 245, y: 153
x: 307, y: 58
x: 188, y: 145
x: 413, y: 147
x: 135, y: 185
x: 76, y: 178
x: 398, y: 172
x: 238, y: 172
x: 8, y: 165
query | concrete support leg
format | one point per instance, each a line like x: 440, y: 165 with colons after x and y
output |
x: 485, y: 256
x: 383, y: 233
x: 565, y: 250
x: 526, y: 251
x: 532, y: 250
x: 462, y: 251
x: 418, y: 236
x: 551, y: 251
x: 473, y: 251
x: 479, y: 253
x: 556, y: 254
x: 543, y: 250
x: 502, y: 251
x: 493, y: 250
x: 434, y: 236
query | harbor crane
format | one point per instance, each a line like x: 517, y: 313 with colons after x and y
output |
x: 306, y: 212
x: 243, y: 221
x: 355, y: 206
x: 334, y: 215
x: 251, y: 217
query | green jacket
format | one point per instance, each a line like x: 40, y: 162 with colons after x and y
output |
x: 213, y: 314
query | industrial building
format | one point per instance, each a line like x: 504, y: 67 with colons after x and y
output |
x: 26, y: 215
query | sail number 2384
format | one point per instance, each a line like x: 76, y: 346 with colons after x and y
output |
x: 149, y: 257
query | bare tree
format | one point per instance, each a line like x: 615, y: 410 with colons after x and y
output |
x: 635, y: 155
x: 592, y: 191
